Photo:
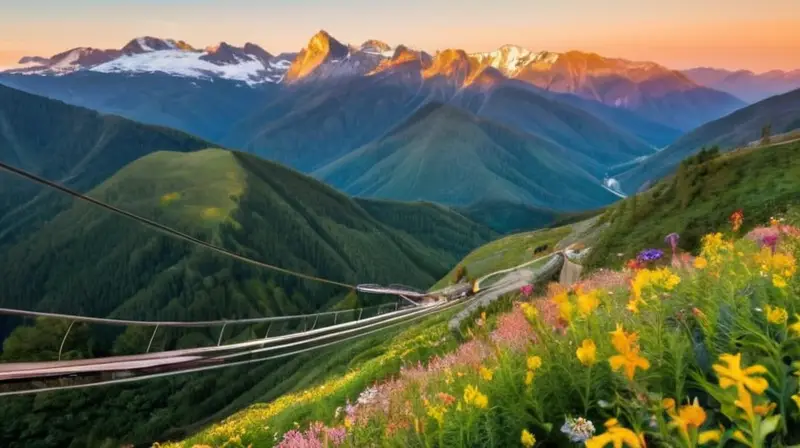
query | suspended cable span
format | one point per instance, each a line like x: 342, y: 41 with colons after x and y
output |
x: 45, y: 368
x: 163, y: 228
x: 152, y: 323
x: 213, y: 367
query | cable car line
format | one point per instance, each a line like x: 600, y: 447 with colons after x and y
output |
x: 162, y: 228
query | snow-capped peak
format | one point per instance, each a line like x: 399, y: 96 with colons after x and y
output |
x: 147, y: 44
x: 510, y: 59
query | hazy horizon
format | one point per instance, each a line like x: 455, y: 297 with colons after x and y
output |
x: 750, y: 35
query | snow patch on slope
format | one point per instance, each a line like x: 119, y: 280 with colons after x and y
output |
x: 189, y: 64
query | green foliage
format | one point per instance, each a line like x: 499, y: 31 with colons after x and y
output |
x: 699, y: 199
x: 108, y: 265
x: 446, y: 155
x: 507, y: 252
x: 509, y: 217
x: 737, y: 129
x: 65, y: 143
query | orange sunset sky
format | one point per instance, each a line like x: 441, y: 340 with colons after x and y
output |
x: 735, y: 34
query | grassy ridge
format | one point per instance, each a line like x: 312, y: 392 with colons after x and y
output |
x: 699, y: 198
x: 506, y: 253
x: 739, y: 128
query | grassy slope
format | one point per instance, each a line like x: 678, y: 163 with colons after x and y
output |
x: 737, y: 129
x: 68, y: 144
x: 446, y: 155
x: 506, y: 253
x: 108, y: 265
x: 699, y: 199
x: 344, y: 373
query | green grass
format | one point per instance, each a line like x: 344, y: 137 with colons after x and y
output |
x: 200, y: 188
x: 506, y: 253
x: 699, y: 199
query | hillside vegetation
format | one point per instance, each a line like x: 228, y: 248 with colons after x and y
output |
x: 445, y: 155
x: 693, y: 351
x: 700, y: 197
x: 67, y: 144
x: 107, y: 265
x: 781, y: 113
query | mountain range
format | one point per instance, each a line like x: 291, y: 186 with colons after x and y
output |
x: 745, y: 84
x: 322, y: 108
x: 388, y: 164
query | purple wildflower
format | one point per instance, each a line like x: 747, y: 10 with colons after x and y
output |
x: 672, y: 239
x: 648, y: 255
x: 770, y: 241
x: 527, y: 290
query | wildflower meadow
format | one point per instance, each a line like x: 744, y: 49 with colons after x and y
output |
x: 675, y: 350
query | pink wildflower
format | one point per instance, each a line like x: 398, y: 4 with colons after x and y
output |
x: 337, y: 436
x: 513, y: 330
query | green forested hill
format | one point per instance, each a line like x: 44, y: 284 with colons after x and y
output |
x: 88, y: 261
x: 446, y: 155
x: 109, y: 265
x: 699, y: 198
x: 69, y: 144
x: 780, y: 112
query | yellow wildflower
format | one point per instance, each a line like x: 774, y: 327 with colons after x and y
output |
x: 486, y: 374
x: 530, y: 311
x: 622, y: 341
x: 705, y: 437
x: 528, y: 378
x: 688, y: 416
x: 795, y: 327
x: 796, y: 399
x: 764, y: 409
x: 714, y: 247
x: 587, y: 303
x: 527, y: 439
x: 633, y: 305
x: 628, y: 357
x: 733, y: 374
x: 610, y: 423
x: 745, y: 381
x: 739, y: 435
x: 534, y: 362
x: 648, y: 279
x: 616, y: 435
x: 776, y: 315
x: 700, y: 263
x: 778, y: 281
x: 587, y: 353
x: 474, y: 397
x: 781, y: 264
x: 668, y: 404
x: 437, y: 413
